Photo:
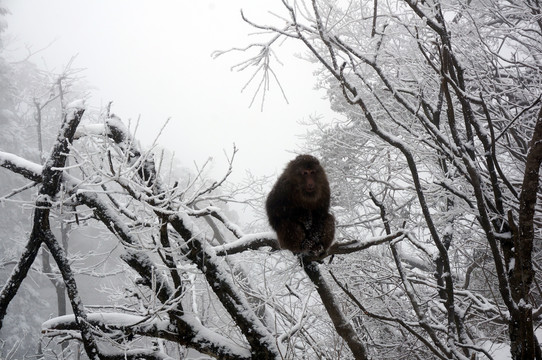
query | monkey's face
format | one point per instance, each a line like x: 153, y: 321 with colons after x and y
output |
x: 309, y: 185
x: 308, y: 181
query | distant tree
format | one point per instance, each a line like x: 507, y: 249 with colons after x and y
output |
x: 31, y: 104
x: 21, y: 339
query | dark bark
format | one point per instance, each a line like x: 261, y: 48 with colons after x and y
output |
x: 18, y: 275
x: 342, y: 325
x: 14, y: 165
x: 524, y: 344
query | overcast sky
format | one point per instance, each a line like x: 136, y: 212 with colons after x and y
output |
x: 153, y: 60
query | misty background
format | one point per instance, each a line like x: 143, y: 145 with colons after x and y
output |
x: 154, y: 62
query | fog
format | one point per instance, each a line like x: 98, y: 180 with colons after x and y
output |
x: 153, y: 61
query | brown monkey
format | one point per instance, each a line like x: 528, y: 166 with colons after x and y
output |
x: 298, y: 208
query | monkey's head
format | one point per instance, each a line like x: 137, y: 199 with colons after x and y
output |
x: 310, y: 188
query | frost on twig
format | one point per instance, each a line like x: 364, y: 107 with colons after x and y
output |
x: 261, y: 66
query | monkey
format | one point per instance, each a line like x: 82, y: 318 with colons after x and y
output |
x: 298, y: 208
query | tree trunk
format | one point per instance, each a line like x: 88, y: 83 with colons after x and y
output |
x: 523, y: 343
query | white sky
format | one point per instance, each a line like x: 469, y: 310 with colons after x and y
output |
x: 153, y: 60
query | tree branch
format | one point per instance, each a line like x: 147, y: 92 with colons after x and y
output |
x: 342, y: 325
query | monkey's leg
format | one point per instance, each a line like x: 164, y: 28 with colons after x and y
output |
x: 291, y: 236
x: 328, y: 231
x: 312, y: 244
x: 320, y: 236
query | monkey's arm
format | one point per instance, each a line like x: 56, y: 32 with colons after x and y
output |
x: 278, y: 205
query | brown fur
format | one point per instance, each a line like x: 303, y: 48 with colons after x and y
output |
x: 298, y: 208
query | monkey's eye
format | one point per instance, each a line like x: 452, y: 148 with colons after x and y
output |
x: 308, y: 172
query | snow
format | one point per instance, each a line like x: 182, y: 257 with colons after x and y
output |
x: 118, y: 319
x: 140, y: 353
x: 90, y: 129
x: 19, y: 162
x: 498, y: 351
x: 116, y: 122
x: 512, y: 264
x: 234, y: 228
x: 188, y: 223
x: 246, y: 241
x: 501, y: 351
x: 523, y: 304
x: 204, y: 335
x: 113, y: 126
x: 76, y: 105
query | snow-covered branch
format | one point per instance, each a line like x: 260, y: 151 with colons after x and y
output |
x: 18, y: 165
x: 194, y: 333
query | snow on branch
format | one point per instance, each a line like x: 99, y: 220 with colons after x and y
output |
x: 350, y: 246
x: 216, y: 184
x: 248, y: 242
x: 18, y: 165
x: 218, y: 214
x: 269, y: 239
x: 194, y: 333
